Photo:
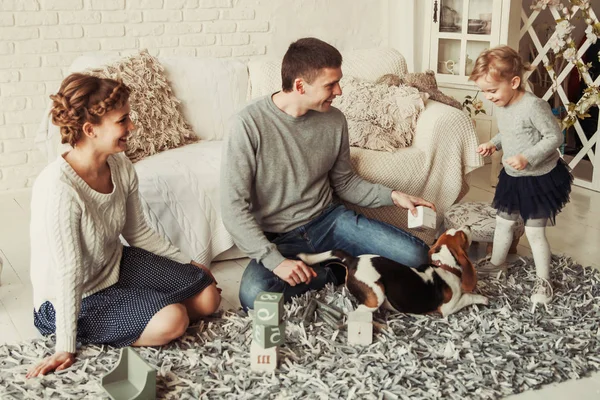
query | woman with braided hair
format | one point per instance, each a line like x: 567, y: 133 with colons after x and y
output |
x: 87, y: 286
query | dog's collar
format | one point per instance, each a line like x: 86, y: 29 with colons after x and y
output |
x: 438, y: 263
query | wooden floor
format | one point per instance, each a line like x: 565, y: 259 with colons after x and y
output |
x: 577, y: 234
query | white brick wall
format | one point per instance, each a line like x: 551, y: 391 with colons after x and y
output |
x: 39, y: 39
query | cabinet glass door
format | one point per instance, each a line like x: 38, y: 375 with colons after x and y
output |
x: 474, y: 48
x: 462, y: 30
x: 479, y: 21
x: 451, y: 16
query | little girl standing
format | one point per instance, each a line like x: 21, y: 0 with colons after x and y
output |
x: 535, y: 182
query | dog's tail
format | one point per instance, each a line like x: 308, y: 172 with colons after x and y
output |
x: 339, y: 255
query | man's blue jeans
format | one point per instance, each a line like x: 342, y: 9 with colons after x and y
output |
x: 336, y: 228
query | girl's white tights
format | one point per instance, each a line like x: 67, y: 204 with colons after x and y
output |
x: 503, y: 237
x: 536, y: 235
x: 540, y: 248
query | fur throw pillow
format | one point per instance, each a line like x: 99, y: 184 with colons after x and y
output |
x: 425, y: 82
x: 380, y: 117
x: 154, y: 108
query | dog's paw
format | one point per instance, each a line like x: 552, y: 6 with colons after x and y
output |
x: 483, y: 300
x: 302, y: 256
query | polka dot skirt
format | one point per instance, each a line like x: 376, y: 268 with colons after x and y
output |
x: 119, y: 314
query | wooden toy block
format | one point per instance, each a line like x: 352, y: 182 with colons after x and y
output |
x: 263, y: 360
x: 268, y: 336
x: 425, y: 218
x: 268, y: 308
x: 360, y: 327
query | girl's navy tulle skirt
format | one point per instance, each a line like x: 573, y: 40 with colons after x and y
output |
x: 534, y: 197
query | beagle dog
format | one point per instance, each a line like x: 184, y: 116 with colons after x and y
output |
x: 443, y: 285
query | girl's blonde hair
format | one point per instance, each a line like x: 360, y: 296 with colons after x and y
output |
x: 85, y: 98
x: 501, y: 63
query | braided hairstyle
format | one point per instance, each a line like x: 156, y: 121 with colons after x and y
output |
x: 85, y: 98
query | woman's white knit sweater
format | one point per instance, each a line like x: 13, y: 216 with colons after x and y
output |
x: 75, y: 246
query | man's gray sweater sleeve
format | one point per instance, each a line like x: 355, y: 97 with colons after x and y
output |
x: 349, y: 186
x: 238, y: 166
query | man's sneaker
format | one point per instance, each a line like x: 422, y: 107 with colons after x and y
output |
x: 542, y: 292
x: 485, y: 267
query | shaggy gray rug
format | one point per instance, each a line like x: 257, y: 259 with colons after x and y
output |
x: 480, y: 352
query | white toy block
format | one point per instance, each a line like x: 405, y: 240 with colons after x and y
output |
x: 263, y: 360
x: 360, y: 328
x: 425, y: 218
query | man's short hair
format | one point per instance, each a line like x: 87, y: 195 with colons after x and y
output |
x: 305, y: 58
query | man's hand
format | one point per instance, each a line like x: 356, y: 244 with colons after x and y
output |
x: 518, y: 162
x: 410, y: 203
x: 295, y: 272
x: 486, y: 149
x: 58, y: 361
x: 207, y: 271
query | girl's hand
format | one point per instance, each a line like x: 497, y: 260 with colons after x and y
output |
x: 58, y: 361
x: 518, y: 162
x: 207, y: 271
x: 486, y: 149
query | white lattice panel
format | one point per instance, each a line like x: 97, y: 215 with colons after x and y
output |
x: 529, y: 36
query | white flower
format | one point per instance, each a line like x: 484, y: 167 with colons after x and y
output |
x: 570, y: 54
x: 542, y: 4
x: 591, y: 36
x: 563, y: 28
x: 556, y: 44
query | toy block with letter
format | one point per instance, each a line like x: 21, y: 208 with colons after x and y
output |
x: 268, y: 331
x: 268, y: 308
x: 425, y: 218
x: 263, y: 360
x: 360, y: 327
x: 268, y: 336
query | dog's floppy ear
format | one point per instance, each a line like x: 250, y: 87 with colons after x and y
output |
x: 469, y: 275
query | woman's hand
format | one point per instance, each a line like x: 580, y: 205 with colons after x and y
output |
x: 410, y: 203
x: 56, y: 362
x: 486, y: 149
x: 207, y: 271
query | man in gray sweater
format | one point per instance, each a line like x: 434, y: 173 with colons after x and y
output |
x: 286, y: 156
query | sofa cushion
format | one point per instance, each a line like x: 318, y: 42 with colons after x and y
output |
x: 380, y: 117
x: 154, y: 108
x: 211, y: 90
x: 370, y: 64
